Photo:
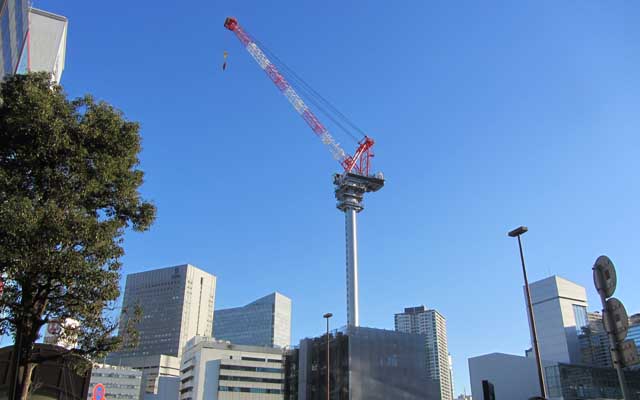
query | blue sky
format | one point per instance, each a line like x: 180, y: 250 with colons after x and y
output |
x: 485, y: 115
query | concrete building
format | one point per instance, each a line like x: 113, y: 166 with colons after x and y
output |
x: 365, y: 364
x: 121, y: 383
x: 177, y: 304
x: 513, y: 377
x: 219, y: 370
x: 560, y: 310
x: 434, y: 326
x: 516, y: 377
x: 14, y: 27
x: 160, y: 375
x: 264, y: 322
x: 47, y: 43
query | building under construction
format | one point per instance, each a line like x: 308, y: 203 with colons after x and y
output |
x: 365, y: 364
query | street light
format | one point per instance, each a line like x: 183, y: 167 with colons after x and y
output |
x: 516, y: 233
x: 327, y: 316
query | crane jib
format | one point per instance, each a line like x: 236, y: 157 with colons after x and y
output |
x: 360, y: 162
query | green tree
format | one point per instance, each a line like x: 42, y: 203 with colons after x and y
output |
x: 69, y: 183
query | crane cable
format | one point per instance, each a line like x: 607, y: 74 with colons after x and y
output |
x: 313, y: 96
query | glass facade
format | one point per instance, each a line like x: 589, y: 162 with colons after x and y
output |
x: 264, y: 322
x: 365, y: 363
x: 13, y: 34
x: 573, y: 382
x: 580, y: 314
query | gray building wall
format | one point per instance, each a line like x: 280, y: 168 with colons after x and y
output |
x: 264, y: 322
x: 177, y: 304
x: 513, y: 377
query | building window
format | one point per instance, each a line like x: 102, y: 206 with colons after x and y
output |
x: 580, y: 314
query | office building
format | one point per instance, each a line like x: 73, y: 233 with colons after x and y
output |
x: 120, y: 383
x: 160, y: 374
x: 32, y: 40
x: 365, y: 364
x: 433, y: 325
x: 177, y: 304
x: 560, y: 310
x: 14, y: 26
x: 594, y: 342
x: 264, y: 322
x: 581, y: 382
x: 218, y: 370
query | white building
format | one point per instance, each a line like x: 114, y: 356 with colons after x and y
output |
x: 432, y: 324
x: 263, y: 322
x: 120, y: 383
x: 218, y: 370
x: 560, y: 310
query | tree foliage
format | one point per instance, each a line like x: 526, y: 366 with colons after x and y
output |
x: 69, y: 182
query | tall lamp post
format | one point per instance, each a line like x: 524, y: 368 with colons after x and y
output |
x: 327, y: 316
x: 516, y: 233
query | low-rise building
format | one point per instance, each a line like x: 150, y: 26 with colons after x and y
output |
x: 160, y: 375
x: 120, y: 383
x: 218, y: 370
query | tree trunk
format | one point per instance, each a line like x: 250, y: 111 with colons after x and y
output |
x: 27, y: 375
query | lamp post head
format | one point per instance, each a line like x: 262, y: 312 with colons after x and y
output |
x: 518, y: 231
x: 328, y: 315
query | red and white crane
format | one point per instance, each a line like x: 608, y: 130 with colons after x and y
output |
x: 350, y: 185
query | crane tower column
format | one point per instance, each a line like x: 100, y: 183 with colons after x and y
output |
x: 350, y: 190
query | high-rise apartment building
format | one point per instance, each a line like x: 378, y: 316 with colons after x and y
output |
x: 264, y: 322
x: 177, y: 304
x: 560, y: 310
x: 31, y: 40
x: 434, y: 326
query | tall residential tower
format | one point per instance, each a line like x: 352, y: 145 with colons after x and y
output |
x: 434, y: 326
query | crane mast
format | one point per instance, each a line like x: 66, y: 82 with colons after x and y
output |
x: 350, y: 185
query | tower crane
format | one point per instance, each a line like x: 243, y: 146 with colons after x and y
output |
x: 350, y: 185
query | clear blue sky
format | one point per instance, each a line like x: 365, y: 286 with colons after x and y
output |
x: 486, y: 116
